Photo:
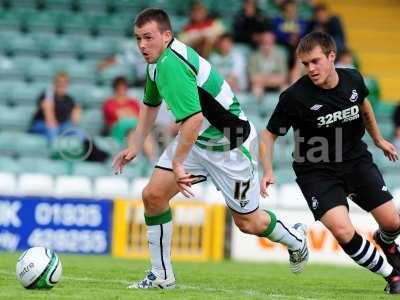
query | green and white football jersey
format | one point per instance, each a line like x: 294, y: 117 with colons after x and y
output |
x: 189, y: 85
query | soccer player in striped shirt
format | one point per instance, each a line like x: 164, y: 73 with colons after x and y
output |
x: 214, y: 142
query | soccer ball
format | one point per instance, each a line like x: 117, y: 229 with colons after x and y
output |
x: 38, y: 268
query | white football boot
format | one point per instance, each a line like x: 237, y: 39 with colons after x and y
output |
x: 298, y: 258
x: 151, y: 281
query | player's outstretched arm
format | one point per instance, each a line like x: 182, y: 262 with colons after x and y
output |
x: 148, y: 115
x: 266, y: 152
x: 373, y: 130
x: 189, y: 132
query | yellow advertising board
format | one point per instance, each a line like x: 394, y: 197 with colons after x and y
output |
x: 199, y: 230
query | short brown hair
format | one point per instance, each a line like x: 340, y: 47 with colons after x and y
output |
x: 157, y: 15
x: 314, y: 39
x: 320, y: 7
x: 119, y: 80
x: 61, y: 75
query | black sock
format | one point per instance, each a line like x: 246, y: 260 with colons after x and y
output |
x: 388, y: 237
x: 366, y: 255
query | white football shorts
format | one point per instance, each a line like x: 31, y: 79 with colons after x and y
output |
x: 233, y: 172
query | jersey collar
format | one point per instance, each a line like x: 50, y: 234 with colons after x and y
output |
x: 166, y: 49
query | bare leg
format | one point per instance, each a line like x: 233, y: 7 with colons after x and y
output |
x: 364, y: 253
x: 387, y: 216
x: 157, y: 193
x: 389, y: 229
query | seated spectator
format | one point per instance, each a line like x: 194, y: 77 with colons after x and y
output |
x: 267, y: 67
x: 121, y: 115
x: 202, y: 30
x: 324, y: 21
x: 230, y: 63
x: 289, y: 29
x: 129, y: 57
x: 396, y: 120
x: 248, y: 23
x: 57, y: 112
x: 345, y: 59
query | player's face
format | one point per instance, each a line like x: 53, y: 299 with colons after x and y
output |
x: 266, y: 42
x: 318, y: 65
x: 121, y: 90
x: 151, y: 41
x: 61, y: 85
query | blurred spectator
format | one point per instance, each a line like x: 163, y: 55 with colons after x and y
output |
x: 129, y: 57
x: 120, y: 107
x: 289, y: 28
x: 324, y: 21
x: 278, y: 3
x: 308, y: 3
x: 57, y: 112
x: 230, y: 63
x: 267, y: 67
x: 396, y: 120
x: 121, y: 115
x: 345, y: 59
x: 202, y: 30
x: 248, y: 23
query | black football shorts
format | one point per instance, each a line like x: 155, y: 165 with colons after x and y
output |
x: 328, y: 185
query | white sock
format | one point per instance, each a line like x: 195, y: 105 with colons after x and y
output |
x: 278, y: 232
x: 160, y: 237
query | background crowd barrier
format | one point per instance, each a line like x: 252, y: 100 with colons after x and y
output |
x: 64, y: 225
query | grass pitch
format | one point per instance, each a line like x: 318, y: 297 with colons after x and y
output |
x: 103, y: 277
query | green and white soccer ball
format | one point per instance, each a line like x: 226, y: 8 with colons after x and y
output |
x: 39, y: 268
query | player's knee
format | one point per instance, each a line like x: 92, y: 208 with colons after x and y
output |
x: 151, y: 199
x: 343, y: 234
x: 392, y: 224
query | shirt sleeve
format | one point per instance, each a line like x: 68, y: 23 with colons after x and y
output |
x: 253, y: 66
x: 280, y: 121
x: 362, y: 88
x: 396, y: 117
x: 72, y: 101
x: 40, y: 99
x: 282, y: 65
x: 109, y: 112
x: 177, y: 83
x: 151, y: 94
x: 135, y: 106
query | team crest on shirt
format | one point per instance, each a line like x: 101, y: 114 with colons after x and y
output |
x: 352, y: 196
x: 314, y: 203
x: 354, y: 96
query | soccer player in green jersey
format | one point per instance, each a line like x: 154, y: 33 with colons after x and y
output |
x: 213, y: 143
